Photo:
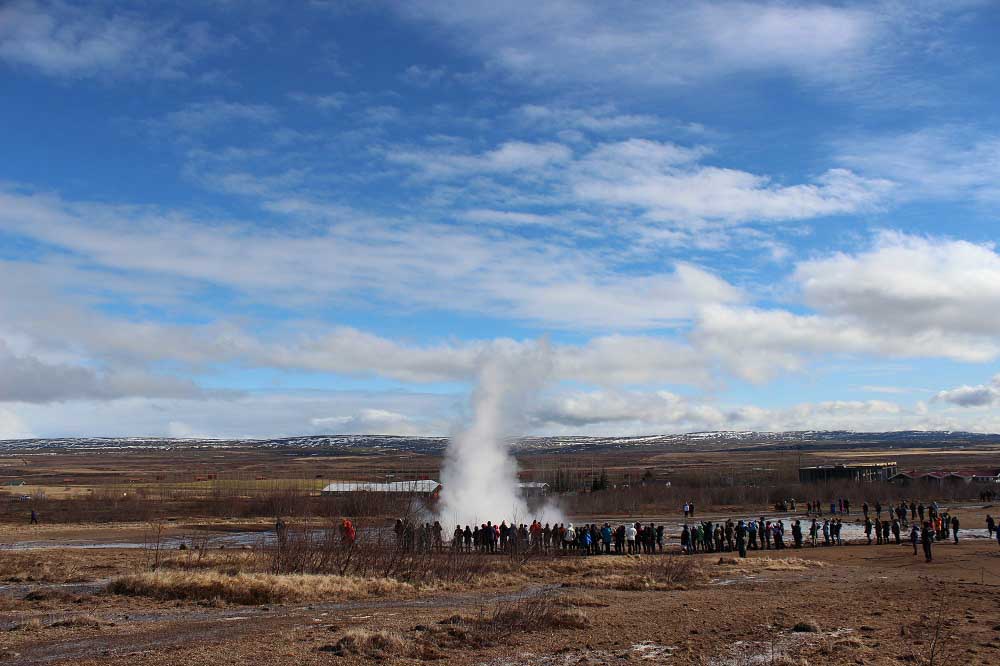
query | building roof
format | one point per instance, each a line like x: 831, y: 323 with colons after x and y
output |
x: 415, y: 486
x: 532, y: 484
x: 944, y: 474
x: 853, y: 465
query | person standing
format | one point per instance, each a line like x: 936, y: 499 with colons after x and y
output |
x: 914, y: 537
x: 927, y: 538
x: 991, y: 525
x: 34, y: 517
x: 741, y: 539
x: 954, y: 527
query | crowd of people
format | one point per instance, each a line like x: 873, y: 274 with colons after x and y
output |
x: 587, y: 539
x: 916, y: 522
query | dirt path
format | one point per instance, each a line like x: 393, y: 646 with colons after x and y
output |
x: 205, y: 626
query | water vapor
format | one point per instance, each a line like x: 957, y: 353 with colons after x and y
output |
x: 480, y: 473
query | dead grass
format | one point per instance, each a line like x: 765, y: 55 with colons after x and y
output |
x: 534, y: 614
x: 770, y: 564
x: 20, y: 569
x: 253, y: 588
x: 490, y: 628
x: 651, y: 573
x: 33, y: 624
x: 82, y: 621
x: 376, y: 644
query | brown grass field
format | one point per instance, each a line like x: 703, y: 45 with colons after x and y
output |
x: 103, y: 579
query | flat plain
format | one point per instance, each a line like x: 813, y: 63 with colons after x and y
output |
x: 165, y: 557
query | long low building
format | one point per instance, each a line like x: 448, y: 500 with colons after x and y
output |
x: 423, y: 487
x: 880, y: 471
x: 945, y: 476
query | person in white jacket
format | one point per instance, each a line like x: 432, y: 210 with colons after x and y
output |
x: 569, y: 538
x: 630, y: 538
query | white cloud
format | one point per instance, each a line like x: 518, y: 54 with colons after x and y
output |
x: 422, y: 266
x: 983, y: 395
x: 82, y: 40
x: 244, y: 416
x: 613, y: 412
x: 909, y: 284
x: 198, y: 117
x: 663, y: 182
x: 949, y: 162
x: 906, y: 296
x: 326, y: 102
x: 509, y: 157
x: 370, y: 421
x: 598, y: 119
x: 657, y: 44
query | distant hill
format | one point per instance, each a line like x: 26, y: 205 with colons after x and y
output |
x: 702, y: 441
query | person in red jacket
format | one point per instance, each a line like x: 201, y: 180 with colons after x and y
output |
x: 347, y: 531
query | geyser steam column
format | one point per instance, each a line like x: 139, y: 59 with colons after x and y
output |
x: 480, y: 474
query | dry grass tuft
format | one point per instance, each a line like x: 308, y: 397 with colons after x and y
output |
x: 88, y: 621
x: 661, y: 573
x: 771, y: 563
x: 34, y: 624
x: 376, y: 644
x: 534, y: 614
x: 252, y: 588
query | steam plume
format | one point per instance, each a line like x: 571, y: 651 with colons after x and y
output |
x: 480, y: 474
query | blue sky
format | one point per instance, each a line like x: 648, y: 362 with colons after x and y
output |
x: 245, y: 219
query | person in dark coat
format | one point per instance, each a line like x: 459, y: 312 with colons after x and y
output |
x: 954, y: 527
x: 927, y: 538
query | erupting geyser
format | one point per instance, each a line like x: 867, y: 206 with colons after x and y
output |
x: 480, y: 474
